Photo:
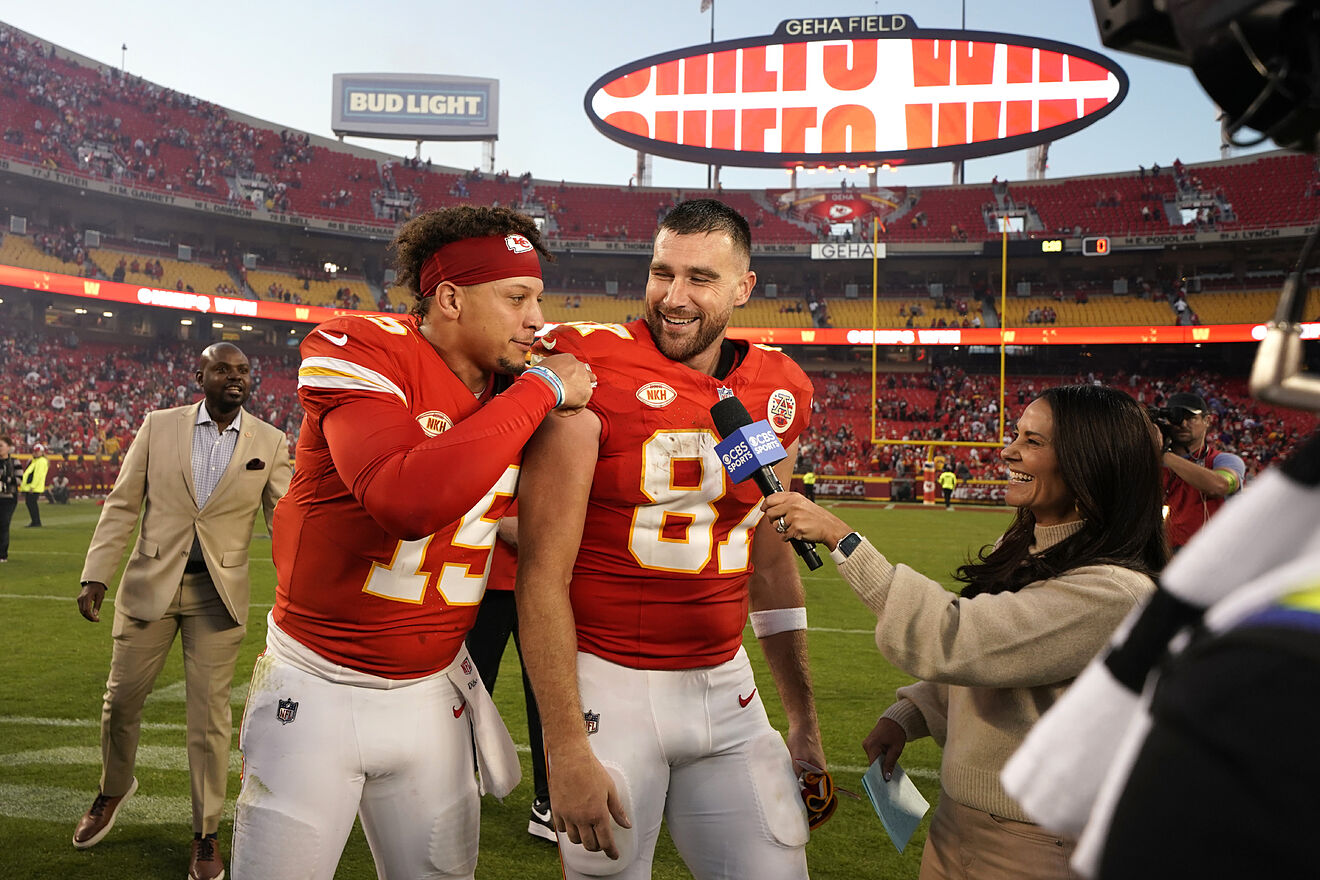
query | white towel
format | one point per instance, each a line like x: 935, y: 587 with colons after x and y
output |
x: 1058, y: 769
x: 498, y: 769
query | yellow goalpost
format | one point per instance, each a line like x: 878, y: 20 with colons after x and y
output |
x: 930, y: 445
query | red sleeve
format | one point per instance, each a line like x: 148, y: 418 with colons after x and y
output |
x: 414, y: 487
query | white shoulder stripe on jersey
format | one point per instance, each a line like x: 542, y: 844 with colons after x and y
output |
x: 328, y: 372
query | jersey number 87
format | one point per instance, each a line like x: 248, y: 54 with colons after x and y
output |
x: 675, y: 531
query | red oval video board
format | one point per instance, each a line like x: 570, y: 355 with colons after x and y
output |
x: 851, y: 90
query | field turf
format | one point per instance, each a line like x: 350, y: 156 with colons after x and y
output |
x: 54, y: 664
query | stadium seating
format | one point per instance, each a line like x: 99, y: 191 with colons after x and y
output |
x: 396, y: 297
x: 929, y: 407
x: 18, y: 250
x: 195, y: 276
x: 1275, y: 190
x: 588, y: 307
x: 1104, y: 204
x: 925, y: 407
x: 760, y: 312
x: 1099, y: 311
x: 939, y: 209
x: 191, y: 146
x: 857, y: 312
x: 313, y: 292
x: 1246, y: 307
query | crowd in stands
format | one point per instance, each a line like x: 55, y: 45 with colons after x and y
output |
x: 346, y: 298
x: 102, y: 122
x: 151, y: 268
x: 64, y: 244
x: 82, y: 399
x: 949, y: 404
x: 277, y: 292
x: 87, y: 399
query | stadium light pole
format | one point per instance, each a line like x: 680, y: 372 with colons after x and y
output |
x: 875, y: 313
x: 710, y: 4
x: 123, y: 53
x: 959, y: 167
x: 1003, y: 316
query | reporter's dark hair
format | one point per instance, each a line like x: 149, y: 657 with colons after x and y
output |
x: 426, y: 233
x: 1109, y: 462
x: 701, y: 216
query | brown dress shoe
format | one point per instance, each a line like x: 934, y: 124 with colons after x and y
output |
x: 206, y: 864
x: 97, y: 821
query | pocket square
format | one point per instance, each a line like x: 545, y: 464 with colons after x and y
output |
x: 255, y: 464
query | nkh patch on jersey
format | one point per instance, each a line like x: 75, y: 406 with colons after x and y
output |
x: 781, y: 409
x: 517, y: 243
x: 434, y: 422
x: 656, y: 394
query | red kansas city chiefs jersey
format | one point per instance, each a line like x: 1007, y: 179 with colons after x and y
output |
x: 660, y: 580
x: 347, y: 589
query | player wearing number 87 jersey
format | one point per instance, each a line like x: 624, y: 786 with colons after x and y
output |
x: 638, y: 561
x: 365, y: 702
x: 661, y: 510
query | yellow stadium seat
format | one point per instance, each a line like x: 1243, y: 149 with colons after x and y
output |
x: 317, y: 293
x: 1101, y: 311
x: 17, y: 250
x: 1245, y: 307
x: 857, y: 313
x: 199, y: 276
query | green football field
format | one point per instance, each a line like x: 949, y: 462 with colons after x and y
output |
x: 54, y: 664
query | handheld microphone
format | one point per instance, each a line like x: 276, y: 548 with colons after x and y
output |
x: 747, y: 451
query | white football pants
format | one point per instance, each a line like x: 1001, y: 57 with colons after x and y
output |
x: 397, y: 752
x: 692, y: 747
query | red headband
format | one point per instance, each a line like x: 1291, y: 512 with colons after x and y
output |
x: 478, y: 260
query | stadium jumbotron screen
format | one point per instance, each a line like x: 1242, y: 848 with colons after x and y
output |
x: 859, y: 89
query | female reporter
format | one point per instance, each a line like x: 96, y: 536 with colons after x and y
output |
x: 1081, y: 553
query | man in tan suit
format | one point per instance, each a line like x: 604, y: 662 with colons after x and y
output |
x: 197, y: 475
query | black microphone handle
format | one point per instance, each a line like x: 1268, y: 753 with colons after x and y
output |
x: 768, y: 482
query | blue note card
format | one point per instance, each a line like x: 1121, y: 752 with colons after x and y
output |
x: 897, y: 802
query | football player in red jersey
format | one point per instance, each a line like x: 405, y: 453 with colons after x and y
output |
x: 638, y: 561
x: 365, y: 702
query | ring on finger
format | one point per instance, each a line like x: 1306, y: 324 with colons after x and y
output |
x: 781, y: 526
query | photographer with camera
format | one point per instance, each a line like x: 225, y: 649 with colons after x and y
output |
x: 1197, y: 478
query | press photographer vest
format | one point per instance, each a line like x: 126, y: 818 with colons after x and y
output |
x: 1189, y: 508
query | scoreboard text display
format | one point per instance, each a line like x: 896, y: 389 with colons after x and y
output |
x: 1095, y: 246
x: 854, y: 89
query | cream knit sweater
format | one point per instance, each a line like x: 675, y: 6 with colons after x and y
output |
x: 991, y: 665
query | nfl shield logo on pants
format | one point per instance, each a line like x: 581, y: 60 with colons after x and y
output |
x: 287, y: 711
x: 593, y: 721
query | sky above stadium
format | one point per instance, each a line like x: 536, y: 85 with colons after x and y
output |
x: 275, y: 61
